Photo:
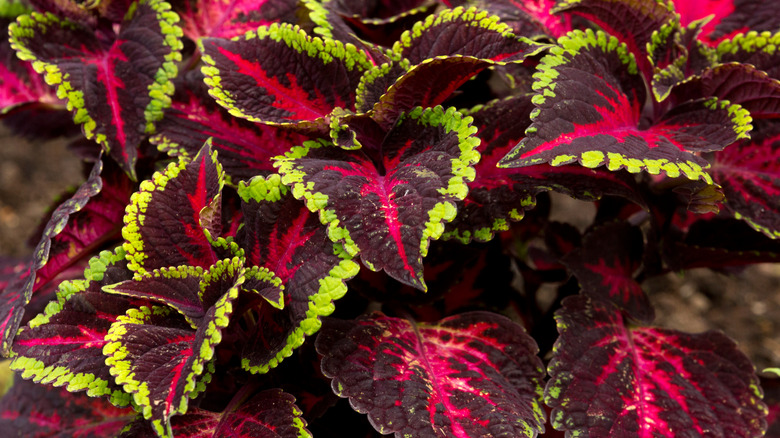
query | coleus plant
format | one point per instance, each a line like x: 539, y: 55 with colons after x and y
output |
x: 291, y: 204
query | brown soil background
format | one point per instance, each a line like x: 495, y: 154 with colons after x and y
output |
x: 746, y: 306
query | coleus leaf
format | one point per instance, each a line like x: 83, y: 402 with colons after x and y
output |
x: 227, y: 19
x: 245, y: 148
x: 533, y: 18
x: 116, y: 91
x: 749, y: 173
x: 164, y: 224
x: 589, y: 105
x: 605, y: 266
x: 474, y: 374
x: 281, y: 75
x: 64, y: 345
x: 282, y: 236
x: 758, y: 49
x: 463, y: 32
x: 633, y: 22
x: 610, y: 378
x: 62, y: 242
x: 388, y: 209
x: 737, y: 83
x: 729, y: 17
x: 161, y: 360
x: 270, y: 413
x: 39, y: 411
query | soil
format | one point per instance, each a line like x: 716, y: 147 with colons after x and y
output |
x: 745, y: 305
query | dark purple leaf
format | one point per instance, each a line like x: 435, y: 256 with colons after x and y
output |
x: 730, y: 17
x: 749, y: 173
x: 280, y: 235
x: 38, y: 411
x: 464, y: 32
x: 158, y: 358
x: 475, y: 374
x: 605, y: 265
x: 228, y: 19
x: 611, y: 378
x: 388, y: 210
x: 738, y: 83
x: 116, y: 90
x: 164, y: 223
x: 529, y: 18
x: 589, y: 105
x: 754, y: 48
x: 245, y: 148
x: 64, y: 345
x: 631, y: 22
x: 282, y: 75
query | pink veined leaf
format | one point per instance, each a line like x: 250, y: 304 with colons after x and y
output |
x: 529, y: 18
x: 749, y: 173
x: 729, y: 17
x: 598, y: 83
x: 271, y: 76
x: 282, y: 236
x: 605, y: 265
x: 76, y: 227
x: 168, y: 227
x: 474, y: 374
x: 387, y: 200
x: 228, y: 19
x: 610, y: 378
x: 39, y: 411
x: 116, y: 91
x: 245, y: 149
x: 64, y: 345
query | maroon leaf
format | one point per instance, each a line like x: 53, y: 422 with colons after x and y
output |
x: 116, y: 90
x: 475, y: 374
x: 730, y: 17
x: 529, y: 18
x: 632, y: 22
x: 596, y: 82
x: 228, y: 19
x: 605, y: 265
x: 64, y: 345
x: 282, y: 75
x: 463, y: 32
x: 749, y: 173
x: 270, y: 413
x: 282, y: 236
x: 163, y: 225
x: 738, y: 83
x: 38, y: 411
x: 245, y: 148
x: 388, y: 209
x: 610, y: 378
x: 754, y: 48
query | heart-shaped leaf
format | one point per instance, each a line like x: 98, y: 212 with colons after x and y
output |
x: 474, y: 374
x: 389, y: 208
x: 116, y: 91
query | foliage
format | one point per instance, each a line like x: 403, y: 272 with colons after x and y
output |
x: 289, y: 203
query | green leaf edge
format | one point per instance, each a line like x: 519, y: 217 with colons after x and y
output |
x: 326, y: 50
x: 57, y: 376
x: 139, y: 201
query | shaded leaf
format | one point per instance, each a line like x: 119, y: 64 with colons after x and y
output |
x: 475, y: 374
x: 228, y: 19
x: 609, y: 378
